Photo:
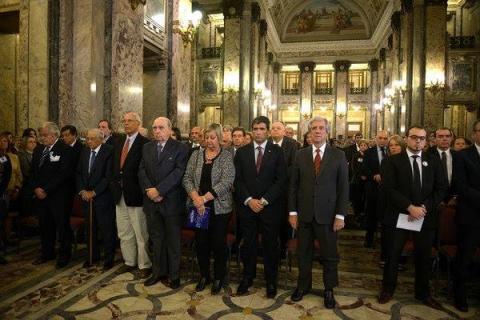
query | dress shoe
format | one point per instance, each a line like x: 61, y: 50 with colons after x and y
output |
x: 107, y: 265
x: 145, y: 273
x: 271, y: 291
x: 62, y: 263
x: 329, y: 299
x: 151, y: 281
x: 432, y: 303
x: 40, y: 260
x: 126, y: 268
x: 202, y: 284
x: 174, y: 284
x: 216, y: 287
x: 384, y: 297
x: 243, y: 286
x: 298, y: 294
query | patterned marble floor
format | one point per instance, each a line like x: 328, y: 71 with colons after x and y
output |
x: 28, y: 292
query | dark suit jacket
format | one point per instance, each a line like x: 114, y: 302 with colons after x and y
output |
x: 322, y: 197
x: 350, y: 152
x: 98, y: 179
x: 467, y: 183
x: 269, y: 183
x: 55, y: 176
x: 165, y: 174
x: 451, y: 190
x: 110, y: 141
x: 397, y: 182
x: 289, y: 147
x: 371, y: 167
x: 77, y: 150
x: 125, y: 180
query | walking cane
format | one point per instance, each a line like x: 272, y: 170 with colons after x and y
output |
x: 91, y: 236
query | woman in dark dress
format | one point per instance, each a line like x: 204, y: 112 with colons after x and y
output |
x: 357, y: 181
x: 5, y: 174
x: 208, y: 181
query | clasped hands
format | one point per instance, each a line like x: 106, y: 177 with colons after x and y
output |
x: 416, y: 212
x: 40, y: 193
x: 255, y: 205
x: 199, y: 201
x: 154, y: 195
x: 87, y: 195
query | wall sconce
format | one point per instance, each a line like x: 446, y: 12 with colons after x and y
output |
x: 187, y: 28
x: 258, y: 90
x: 435, y: 87
x: 341, y: 110
x: 399, y: 87
x: 378, y: 107
x: 435, y: 81
x: 305, y: 109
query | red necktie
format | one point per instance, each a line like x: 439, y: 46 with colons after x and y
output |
x: 317, y: 162
x: 123, y: 156
x: 259, y: 158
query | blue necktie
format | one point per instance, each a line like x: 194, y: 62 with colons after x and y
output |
x: 92, y: 161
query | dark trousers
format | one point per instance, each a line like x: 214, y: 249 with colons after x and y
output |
x: 372, y: 216
x: 357, y: 196
x: 423, y: 241
x: 213, y: 239
x: 307, y: 233
x: 102, y: 227
x: 268, y: 225
x: 164, y: 231
x: 54, y: 218
x: 468, y: 241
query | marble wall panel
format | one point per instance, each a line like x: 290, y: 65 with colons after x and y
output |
x: 127, y: 59
x: 22, y: 67
x: 245, y: 64
x: 65, y: 77
x: 418, y: 65
x: 7, y: 81
x: 341, y: 81
x: 154, y: 96
x: 231, y: 70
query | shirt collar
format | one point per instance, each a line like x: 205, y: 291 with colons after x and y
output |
x: 478, y: 147
x: 50, y: 148
x: 73, y: 143
x: 96, y: 149
x: 322, y: 149
x: 410, y: 153
x: 132, y: 137
x: 440, y: 151
x: 279, y: 142
x: 263, y: 145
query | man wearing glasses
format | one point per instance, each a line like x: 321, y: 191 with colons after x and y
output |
x: 415, y: 184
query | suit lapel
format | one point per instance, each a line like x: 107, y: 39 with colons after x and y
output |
x: 309, y: 161
x: 474, y: 155
x: 98, y: 157
x: 266, y: 155
x: 164, y: 152
x: 251, y: 155
x: 408, y: 167
x: 132, y: 148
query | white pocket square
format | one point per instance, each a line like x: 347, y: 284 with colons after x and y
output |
x: 54, y: 158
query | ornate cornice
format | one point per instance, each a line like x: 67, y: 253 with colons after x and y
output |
x: 436, y: 3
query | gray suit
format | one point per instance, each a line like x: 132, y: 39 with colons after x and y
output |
x: 317, y: 199
x: 164, y: 219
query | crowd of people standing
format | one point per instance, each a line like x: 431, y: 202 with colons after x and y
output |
x: 139, y: 189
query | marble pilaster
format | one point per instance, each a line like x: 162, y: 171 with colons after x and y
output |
x: 154, y: 96
x: 22, y: 120
x: 262, y: 63
x: 374, y: 95
x: 306, y: 80
x: 245, y: 64
x: 127, y: 59
x: 275, y: 90
x: 418, y: 63
x: 65, y: 85
x: 341, y: 98
x: 254, y: 58
x: 407, y: 68
x: 7, y: 81
x: 435, y: 60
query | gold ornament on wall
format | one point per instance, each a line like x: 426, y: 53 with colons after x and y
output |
x: 134, y: 3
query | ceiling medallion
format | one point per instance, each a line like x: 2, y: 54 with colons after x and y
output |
x: 134, y: 3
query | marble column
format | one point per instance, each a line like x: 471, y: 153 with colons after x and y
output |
x: 245, y: 64
x: 127, y: 60
x: 306, y: 83
x: 374, y: 96
x: 232, y: 13
x: 407, y: 45
x: 275, y: 90
x: 418, y: 63
x: 396, y: 74
x: 262, y: 64
x: 254, y: 57
x: 8, y: 63
x: 435, y: 60
x: 341, y: 98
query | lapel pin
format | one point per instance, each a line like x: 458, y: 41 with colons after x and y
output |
x: 425, y: 163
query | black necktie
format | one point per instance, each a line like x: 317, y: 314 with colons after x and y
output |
x: 259, y: 158
x: 444, y: 164
x: 384, y: 155
x: 417, y: 183
x: 92, y: 161
x: 44, y: 156
x: 159, y: 150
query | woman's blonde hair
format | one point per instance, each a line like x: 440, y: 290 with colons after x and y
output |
x: 217, y: 128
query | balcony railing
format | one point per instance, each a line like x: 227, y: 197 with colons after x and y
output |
x: 358, y: 90
x: 290, y: 91
x: 213, y: 52
x: 324, y: 91
x: 462, y: 42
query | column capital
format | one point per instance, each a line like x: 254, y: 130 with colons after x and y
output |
x: 232, y: 8
x: 277, y: 67
x: 306, y: 66
x: 342, y: 65
x: 263, y: 27
x: 436, y: 3
x: 373, y: 65
x: 255, y: 12
x: 396, y: 22
x: 407, y: 6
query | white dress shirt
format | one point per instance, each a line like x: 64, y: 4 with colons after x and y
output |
x: 279, y: 143
x: 255, y: 146
x: 449, y: 162
x: 419, y: 162
x: 478, y: 148
x: 314, y: 154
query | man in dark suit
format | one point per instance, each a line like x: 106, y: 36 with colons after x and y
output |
x: 128, y: 197
x: 415, y: 185
x: 106, y: 128
x: 238, y: 140
x: 371, y: 170
x: 160, y: 174
x: 70, y: 137
x: 52, y: 169
x: 467, y: 183
x: 93, y: 176
x: 261, y: 174
x: 354, y: 148
x: 318, y: 201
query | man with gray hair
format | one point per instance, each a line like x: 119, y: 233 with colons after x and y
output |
x: 51, y: 172
x: 128, y: 197
x: 93, y: 174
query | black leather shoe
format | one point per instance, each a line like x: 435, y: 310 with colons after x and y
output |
x: 243, y: 286
x: 175, y: 284
x: 202, y: 284
x: 62, y: 263
x: 216, y: 287
x: 329, y: 299
x: 298, y: 294
x: 151, y: 281
x: 271, y: 291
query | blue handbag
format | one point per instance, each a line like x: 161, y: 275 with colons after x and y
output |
x: 197, y: 220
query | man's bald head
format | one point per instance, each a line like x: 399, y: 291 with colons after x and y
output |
x: 382, y: 138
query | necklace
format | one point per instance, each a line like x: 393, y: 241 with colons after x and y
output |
x: 210, y: 155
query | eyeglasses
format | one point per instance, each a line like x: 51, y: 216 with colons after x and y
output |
x: 416, y: 138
